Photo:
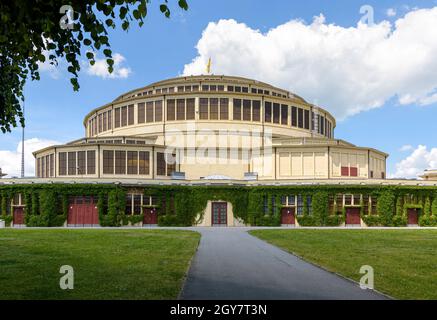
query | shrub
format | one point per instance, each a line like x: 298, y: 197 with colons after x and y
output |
x: 386, y: 207
x: 320, y: 204
x: 334, y: 220
x: 399, y: 221
x: 372, y: 220
x: 308, y: 221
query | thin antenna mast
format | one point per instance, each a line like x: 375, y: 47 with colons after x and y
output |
x: 22, y: 144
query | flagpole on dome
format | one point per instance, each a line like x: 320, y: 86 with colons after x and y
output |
x: 208, y: 66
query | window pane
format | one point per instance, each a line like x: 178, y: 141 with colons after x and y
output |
x: 143, y: 162
x: 284, y: 114
x: 62, y: 164
x: 52, y: 165
x: 109, y: 119
x: 203, y: 108
x: 180, y: 111
x: 117, y: 118
x: 190, y: 109
x: 268, y: 112
x: 160, y: 164
x: 213, y: 108
x: 141, y: 113
x: 91, y: 162
x: 294, y: 116
x: 224, y: 109
x: 237, y: 109
x: 171, y: 165
x: 105, y: 122
x: 149, y: 111
x: 81, y: 169
x: 120, y: 162
x: 132, y: 162
x: 108, y: 161
x: 100, y: 123
x: 276, y: 112
x: 247, y: 110
x: 158, y: 111
x: 123, y: 116
x: 171, y: 110
x: 130, y: 112
x: 307, y: 119
x: 256, y: 110
x: 137, y: 204
x: 300, y: 118
x: 71, y: 163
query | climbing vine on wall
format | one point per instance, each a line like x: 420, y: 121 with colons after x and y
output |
x: 47, y: 204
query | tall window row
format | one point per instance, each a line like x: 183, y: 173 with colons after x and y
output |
x: 165, y: 166
x: 213, y: 108
x: 126, y: 162
x: 322, y: 125
x: 150, y: 111
x: 100, y: 123
x: 124, y: 116
x: 77, y: 163
x: 181, y: 109
x: 45, y: 166
x: 247, y: 110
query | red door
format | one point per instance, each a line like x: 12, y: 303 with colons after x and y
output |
x: 150, y: 216
x: 18, y: 215
x: 412, y: 216
x: 83, y: 212
x: 353, y: 216
x: 287, y: 216
x: 219, y: 214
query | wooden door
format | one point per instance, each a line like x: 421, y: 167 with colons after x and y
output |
x: 219, y: 213
x: 18, y: 216
x: 413, y: 216
x: 150, y: 216
x: 353, y: 216
x: 287, y: 216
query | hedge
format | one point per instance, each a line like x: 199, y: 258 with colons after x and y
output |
x: 47, y: 204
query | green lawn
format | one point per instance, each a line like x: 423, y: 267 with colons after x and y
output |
x: 404, y: 261
x: 108, y: 264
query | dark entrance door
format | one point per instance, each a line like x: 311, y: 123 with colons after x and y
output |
x: 353, y: 216
x: 150, y: 216
x: 287, y: 216
x: 18, y: 216
x: 83, y: 212
x: 219, y: 214
x: 412, y: 216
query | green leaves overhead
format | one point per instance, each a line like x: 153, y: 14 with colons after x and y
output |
x: 32, y: 33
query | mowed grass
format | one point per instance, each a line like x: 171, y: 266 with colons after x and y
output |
x: 108, y: 264
x: 404, y: 261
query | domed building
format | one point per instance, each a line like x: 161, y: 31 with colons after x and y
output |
x: 210, y: 128
x: 212, y: 151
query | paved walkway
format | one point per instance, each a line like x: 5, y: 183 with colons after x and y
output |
x: 232, y: 264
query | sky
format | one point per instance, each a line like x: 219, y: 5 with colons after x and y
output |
x: 376, y: 73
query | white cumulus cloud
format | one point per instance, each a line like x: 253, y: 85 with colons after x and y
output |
x: 344, y: 69
x: 406, y: 147
x: 391, y: 12
x: 100, y: 68
x: 416, y: 163
x: 10, y: 160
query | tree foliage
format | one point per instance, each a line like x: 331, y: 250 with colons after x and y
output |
x: 36, y: 32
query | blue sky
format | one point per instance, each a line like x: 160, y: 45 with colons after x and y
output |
x: 162, y: 47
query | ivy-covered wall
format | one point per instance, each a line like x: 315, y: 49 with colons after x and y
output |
x: 47, y: 204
